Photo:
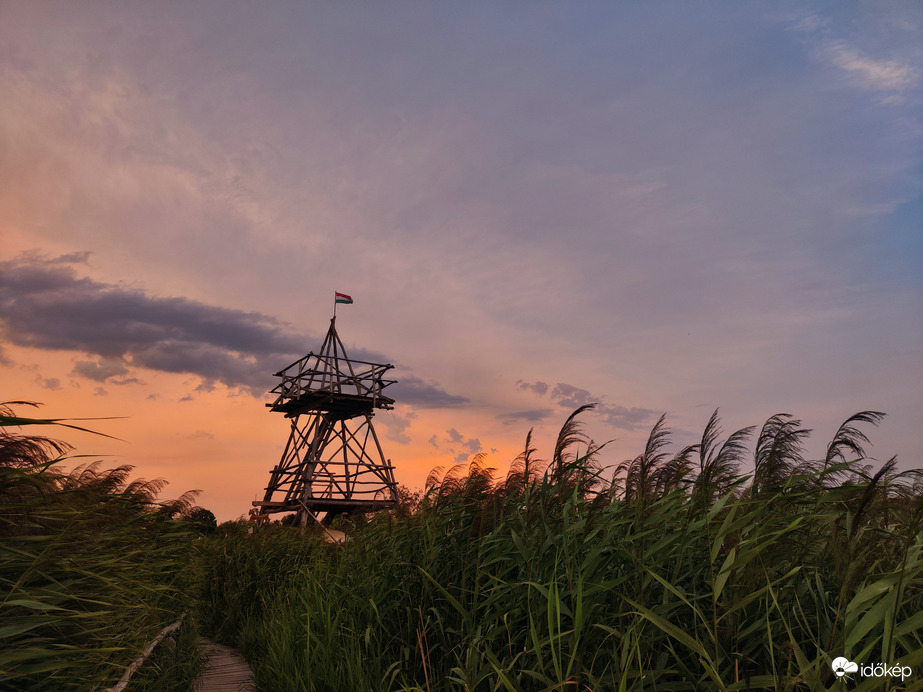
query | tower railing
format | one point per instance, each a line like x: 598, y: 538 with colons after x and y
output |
x: 327, y: 374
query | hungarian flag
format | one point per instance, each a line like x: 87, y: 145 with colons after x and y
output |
x: 343, y: 298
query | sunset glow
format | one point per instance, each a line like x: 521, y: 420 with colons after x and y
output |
x: 658, y: 208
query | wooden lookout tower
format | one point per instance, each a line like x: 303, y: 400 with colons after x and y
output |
x: 332, y: 462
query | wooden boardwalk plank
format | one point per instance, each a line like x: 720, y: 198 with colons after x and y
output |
x: 225, y: 670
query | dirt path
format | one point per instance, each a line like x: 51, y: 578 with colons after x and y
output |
x: 225, y: 670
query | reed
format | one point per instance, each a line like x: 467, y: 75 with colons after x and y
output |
x: 680, y: 572
x: 92, y: 566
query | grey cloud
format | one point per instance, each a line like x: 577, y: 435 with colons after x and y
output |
x: 572, y: 397
x: 395, y: 426
x: 473, y: 445
x: 37, y: 257
x: 82, y: 257
x: 625, y: 418
x: 532, y: 415
x: 409, y: 389
x: 460, y: 447
x: 5, y: 360
x: 206, y: 386
x: 412, y: 390
x: 52, y: 383
x: 102, y: 370
x: 538, y: 387
x: 44, y: 304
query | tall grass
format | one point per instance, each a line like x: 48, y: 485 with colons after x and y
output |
x: 680, y: 572
x: 92, y: 566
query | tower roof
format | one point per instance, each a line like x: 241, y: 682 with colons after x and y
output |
x: 332, y: 382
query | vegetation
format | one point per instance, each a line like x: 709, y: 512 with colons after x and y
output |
x: 681, y: 572
x: 92, y: 567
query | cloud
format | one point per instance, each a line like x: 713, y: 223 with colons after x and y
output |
x: 808, y: 24
x: 5, y: 360
x: 571, y: 397
x: 878, y: 75
x: 538, y: 387
x: 44, y: 304
x: 625, y: 418
x: 82, y: 257
x: 460, y: 447
x: 395, y: 425
x: 104, y: 369
x: 532, y: 415
x: 492, y: 206
x: 52, y: 383
x: 37, y: 257
x: 412, y: 390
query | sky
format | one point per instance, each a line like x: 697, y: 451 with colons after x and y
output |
x: 660, y: 207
